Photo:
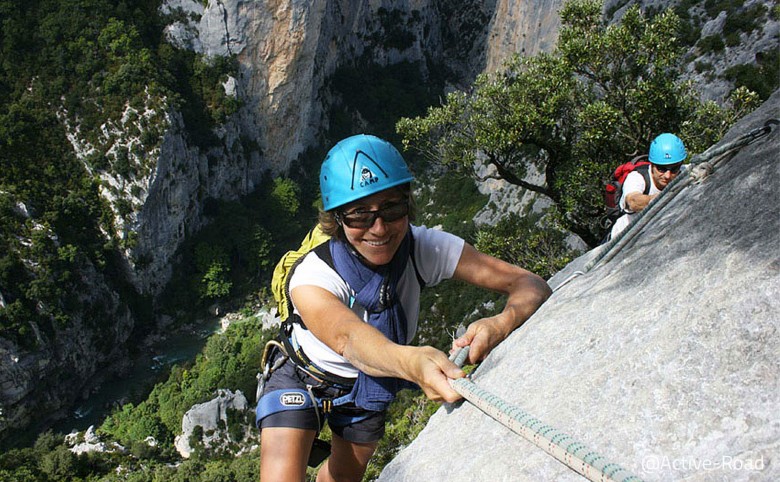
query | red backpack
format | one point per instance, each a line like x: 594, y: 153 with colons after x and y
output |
x: 614, y: 188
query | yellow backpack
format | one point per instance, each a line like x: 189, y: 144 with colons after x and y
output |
x: 285, y: 266
x: 280, y: 288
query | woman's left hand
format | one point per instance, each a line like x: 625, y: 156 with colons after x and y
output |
x: 525, y: 293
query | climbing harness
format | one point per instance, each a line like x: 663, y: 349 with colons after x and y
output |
x: 267, y: 367
x: 702, y: 165
x: 302, y: 361
x: 275, y: 354
x: 564, y: 448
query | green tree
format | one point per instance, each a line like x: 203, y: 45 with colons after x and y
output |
x: 571, y: 115
x: 262, y: 244
x: 213, y: 265
x: 216, y: 283
x: 247, y: 467
x: 134, y: 423
x: 59, y: 464
x: 286, y: 193
x: 408, y: 415
x: 22, y: 474
x: 528, y: 242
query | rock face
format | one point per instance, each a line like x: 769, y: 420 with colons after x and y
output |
x: 183, y: 178
x: 751, y: 34
x: 92, y: 443
x: 214, y: 419
x: 522, y: 27
x: 286, y: 51
x: 664, y: 360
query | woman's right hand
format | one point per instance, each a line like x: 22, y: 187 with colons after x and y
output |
x: 432, y: 370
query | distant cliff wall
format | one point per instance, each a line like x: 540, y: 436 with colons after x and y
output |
x: 293, y: 47
x: 523, y: 27
x: 286, y: 51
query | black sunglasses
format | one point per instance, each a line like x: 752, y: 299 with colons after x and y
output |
x: 674, y: 169
x: 365, y: 219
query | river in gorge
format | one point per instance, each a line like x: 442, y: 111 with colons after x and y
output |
x: 149, y: 368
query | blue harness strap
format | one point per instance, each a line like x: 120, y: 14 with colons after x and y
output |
x: 283, y: 400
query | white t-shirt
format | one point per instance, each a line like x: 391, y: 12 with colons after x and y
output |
x: 436, y: 254
x: 634, y: 182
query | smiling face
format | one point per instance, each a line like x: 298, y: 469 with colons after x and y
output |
x: 378, y: 242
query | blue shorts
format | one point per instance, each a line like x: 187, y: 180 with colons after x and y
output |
x: 288, y: 376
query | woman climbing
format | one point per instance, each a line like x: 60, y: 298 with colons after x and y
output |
x: 355, y: 306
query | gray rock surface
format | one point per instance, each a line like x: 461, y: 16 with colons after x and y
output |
x: 665, y: 360
x: 87, y: 442
x: 215, y: 420
x: 521, y: 26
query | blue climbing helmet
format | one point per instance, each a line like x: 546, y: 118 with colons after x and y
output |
x: 667, y: 149
x: 360, y: 166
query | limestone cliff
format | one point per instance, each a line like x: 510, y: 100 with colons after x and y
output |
x: 286, y: 51
x: 522, y: 27
x: 216, y: 418
x: 664, y: 359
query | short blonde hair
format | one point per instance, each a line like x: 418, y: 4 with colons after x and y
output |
x: 333, y: 228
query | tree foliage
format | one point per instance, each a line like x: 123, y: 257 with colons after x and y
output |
x: 571, y: 115
x: 285, y: 193
x: 213, y: 267
x: 528, y: 242
x: 407, y: 416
